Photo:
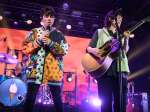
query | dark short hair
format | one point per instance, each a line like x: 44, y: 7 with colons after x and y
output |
x: 47, y: 11
x: 111, y: 15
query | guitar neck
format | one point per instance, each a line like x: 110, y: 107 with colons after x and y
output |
x: 136, y: 26
x: 147, y: 19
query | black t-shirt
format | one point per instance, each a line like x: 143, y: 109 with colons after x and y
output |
x: 112, y: 71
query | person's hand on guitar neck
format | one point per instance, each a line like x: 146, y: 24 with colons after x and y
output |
x: 127, y: 34
x: 95, y: 51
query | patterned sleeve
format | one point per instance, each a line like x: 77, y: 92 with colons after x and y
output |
x: 60, y: 47
x: 29, y: 43
x: 28, y: 38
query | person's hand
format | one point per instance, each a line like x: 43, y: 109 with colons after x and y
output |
x: 128, y: 34
x: 36, y: 44
x: 45, y: 38
x: 96, y: 52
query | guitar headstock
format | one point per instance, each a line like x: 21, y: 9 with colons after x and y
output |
x: 147, y: 19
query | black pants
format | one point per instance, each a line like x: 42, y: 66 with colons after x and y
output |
x: 109, y: 92
x: 31, y: 97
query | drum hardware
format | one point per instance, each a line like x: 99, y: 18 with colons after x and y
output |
x: 12, y: 91
x: 7, y: 59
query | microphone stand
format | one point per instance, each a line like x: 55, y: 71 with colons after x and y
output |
x: 121, y: 55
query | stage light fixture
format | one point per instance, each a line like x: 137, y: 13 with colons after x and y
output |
x: 62, y: 21
x: 93, y: 102
x: 15, y: 23
x: 68, y: 27
x: 96, y: 102
x: 76, y: 14
x: 95, y: 25
x: 81, y: 23
x: 69, y: 77
x: 29, y: 22
x: 1, y: 17
x: 23, y: 15
x: 94, y: 80
x: 65, y: 6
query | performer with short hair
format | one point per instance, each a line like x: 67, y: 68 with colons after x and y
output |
x: 46, y: 47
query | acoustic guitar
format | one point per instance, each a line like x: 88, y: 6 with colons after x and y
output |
x: 101, y: 64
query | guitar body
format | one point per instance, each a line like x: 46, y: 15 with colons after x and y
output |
x: 92, y: 64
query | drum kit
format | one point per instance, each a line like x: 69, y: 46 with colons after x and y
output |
x: 12, y: 89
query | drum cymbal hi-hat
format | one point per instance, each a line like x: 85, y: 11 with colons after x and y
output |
x: 8, y: 59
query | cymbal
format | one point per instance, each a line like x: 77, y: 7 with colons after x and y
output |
x: 8, y: 59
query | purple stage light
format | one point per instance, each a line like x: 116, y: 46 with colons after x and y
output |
x: 87, y: 100
x: 15, y: 23
x: 44, y: 103
x: 68, y: 27
x: 65, y: 6
x: 48, y: 103
x: 96, y: 102
x: 39, y: 100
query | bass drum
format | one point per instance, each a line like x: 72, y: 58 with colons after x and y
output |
x: 12, y: 91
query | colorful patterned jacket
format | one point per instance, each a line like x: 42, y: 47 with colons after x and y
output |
x: 45, y: 62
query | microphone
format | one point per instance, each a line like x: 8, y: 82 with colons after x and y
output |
x: 40, y: 41
x: 46, y: 34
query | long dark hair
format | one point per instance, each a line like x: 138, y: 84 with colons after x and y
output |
x: 111, y: 15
